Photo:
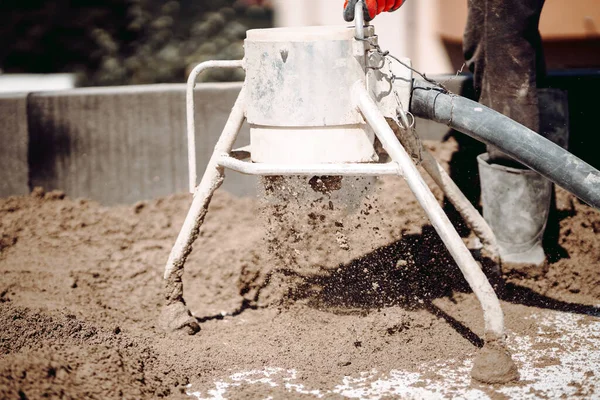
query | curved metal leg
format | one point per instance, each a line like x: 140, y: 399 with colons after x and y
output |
x: 176, y: 316
x: 504, y: 368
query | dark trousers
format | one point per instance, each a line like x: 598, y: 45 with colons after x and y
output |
x: 503, y: 49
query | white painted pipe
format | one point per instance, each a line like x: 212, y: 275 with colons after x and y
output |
x: 212, y: 179
x: 492, y: 312
x: 365, y: 169
x: 359, y: 20
x: 469, y: 213
x: 191, y: 117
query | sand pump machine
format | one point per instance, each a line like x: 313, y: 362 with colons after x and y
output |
x: 315, y: 99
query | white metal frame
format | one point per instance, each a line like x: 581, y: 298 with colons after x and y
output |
x: 350, y: 169
x: 191, y: 116
x: 401, y: 165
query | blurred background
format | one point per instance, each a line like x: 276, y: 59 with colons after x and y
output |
x: 122, y: 42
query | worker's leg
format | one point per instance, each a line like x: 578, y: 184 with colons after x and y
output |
x: 503, y: 49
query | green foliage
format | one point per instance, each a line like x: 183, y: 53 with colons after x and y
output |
x: 116, y: 42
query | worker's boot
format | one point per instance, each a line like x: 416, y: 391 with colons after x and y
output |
x: 515, y: 204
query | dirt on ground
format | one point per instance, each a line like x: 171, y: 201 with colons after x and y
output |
x: 323, y: 284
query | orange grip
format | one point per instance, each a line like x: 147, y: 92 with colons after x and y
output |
x: 376, y: 7
x: 373, y: 8
x: 397, y: 5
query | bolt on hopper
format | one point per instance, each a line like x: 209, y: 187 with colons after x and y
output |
x: 315, y: 99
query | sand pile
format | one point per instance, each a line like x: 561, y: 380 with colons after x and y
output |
x: 344, y: 293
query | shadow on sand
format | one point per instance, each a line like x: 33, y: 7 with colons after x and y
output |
x: 409, y: 273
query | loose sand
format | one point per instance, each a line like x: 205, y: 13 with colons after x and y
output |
x: 294, y: 301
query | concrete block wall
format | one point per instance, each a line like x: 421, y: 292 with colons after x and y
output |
x: 13, y: 144
x: 113, y: 145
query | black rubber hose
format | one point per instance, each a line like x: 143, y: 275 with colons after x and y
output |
x: 519, y: 142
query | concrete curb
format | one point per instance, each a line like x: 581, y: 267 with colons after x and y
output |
x: 113, y: 145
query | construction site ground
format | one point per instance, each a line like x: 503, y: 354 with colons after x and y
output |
x: 305, y: 303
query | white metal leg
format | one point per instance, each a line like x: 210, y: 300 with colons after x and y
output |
x: 264, y: 169
x: 492, y: 312
x: 176, y: 314
x: 469, y: 213
x: 212, y: 179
